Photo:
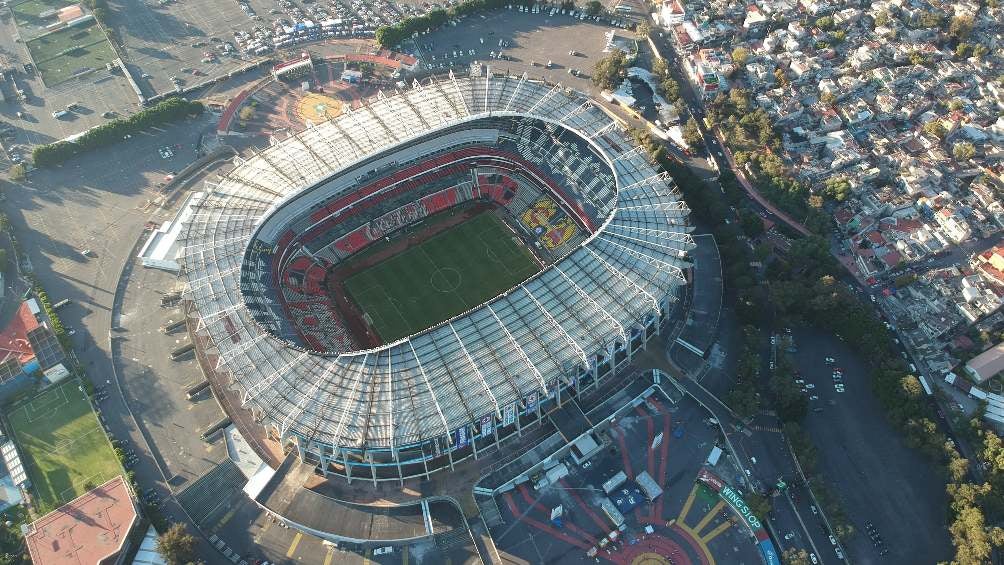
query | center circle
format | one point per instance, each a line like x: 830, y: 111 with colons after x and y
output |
x: 446, y: 279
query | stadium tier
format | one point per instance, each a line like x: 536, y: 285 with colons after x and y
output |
x: 607, y: 231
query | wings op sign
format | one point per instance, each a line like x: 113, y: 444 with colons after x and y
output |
x: 737, y: 502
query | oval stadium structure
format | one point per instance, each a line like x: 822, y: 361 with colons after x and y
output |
x: 273, y: 246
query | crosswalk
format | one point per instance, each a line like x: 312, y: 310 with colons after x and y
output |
x: 762, y: 428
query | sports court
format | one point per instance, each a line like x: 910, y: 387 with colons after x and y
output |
x: 66, y: 452
x: 441, y: 277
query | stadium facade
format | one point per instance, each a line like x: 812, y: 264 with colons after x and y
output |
x: 612, y: 232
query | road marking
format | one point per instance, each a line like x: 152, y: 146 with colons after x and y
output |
x: 709, y: 516
x: 687, y: 505
x: 716, y: 532
x: 328, y: 556
x: 292, y: 546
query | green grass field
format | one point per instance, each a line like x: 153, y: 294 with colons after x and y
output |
x: 66, y: 452
x: 61, y: 54
x: 451, y: 272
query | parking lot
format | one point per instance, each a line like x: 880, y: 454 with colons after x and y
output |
x: 667, y: 440
x: 161, y: 40
x: 529, y: 41
x: 875, y: 476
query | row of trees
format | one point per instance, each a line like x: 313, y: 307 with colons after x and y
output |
x: 977, y: 508
x: 169, y: 110
x: 389, y: 36
x: 750, y: 134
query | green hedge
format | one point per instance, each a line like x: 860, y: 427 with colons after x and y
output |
x: 388, y: 36
x: 169, y: 110
x: 57, y: 325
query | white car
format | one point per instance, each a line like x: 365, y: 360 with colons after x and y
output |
x: 829, y: 360
x: 812, y: 557
x: 839, y: 388
x: 833, y: 540
x: 383, y: 550
x: 840, y: 554
x: 789, y: 535
x: 814, y: 397
x: 810, y: 386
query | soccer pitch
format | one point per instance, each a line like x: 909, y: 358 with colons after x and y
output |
x: 66, y: 452
x: 60, y: 55
x: 449, y: 273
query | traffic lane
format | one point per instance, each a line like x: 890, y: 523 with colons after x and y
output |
x: 866, y: 465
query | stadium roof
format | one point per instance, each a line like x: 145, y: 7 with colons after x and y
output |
x: 465, y: 369
x: 90, y: 529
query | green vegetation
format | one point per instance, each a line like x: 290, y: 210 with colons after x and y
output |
x: 12, y: 548
x: 837, y: 188
x: 16, y: 172
x: 739, y: 56
x: 50, y: 312
x: 169, y: 110
x: 610, y: 70
x: 692, y: 133
x: 963, y: 151
x: 960, y: 27
x: 668, y: 87
x: 177, y: 545
x: 795, y: 556
x: 743, y: 398
x: 66, y: 452
x: 441, y: 277
x: 756, y: 147
x: 65, y: 53
x: 977, y: 508
x: 389, y: 36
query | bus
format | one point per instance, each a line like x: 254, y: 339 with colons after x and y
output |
x: 60, y: 304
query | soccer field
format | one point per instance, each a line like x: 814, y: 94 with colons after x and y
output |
x: 60, y: 55
x: 66, y: 452
x: 451, y: 272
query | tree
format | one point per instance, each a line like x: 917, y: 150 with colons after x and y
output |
x: 739, y: 56
x: 742, y: 399
x: 957, y: 468
x: 917, y: 58
x: 960, y: 27
x: 963, y: 151
x: 246, y: 113
x: 795, y: 556
x: 594, y: 7
x: 837, y: 188
x: 881, y: 19
x: 935, y: 128
x: 16, y: 172
x: 610, y: 70
x: 692, y: 133
x: 758, y: 503
x: 824, y: 23
x: 177, y: 545
x: 643, y: 29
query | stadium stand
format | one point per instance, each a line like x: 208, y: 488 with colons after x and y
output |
x: 613, y: 229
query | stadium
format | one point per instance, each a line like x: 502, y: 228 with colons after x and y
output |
x: 421, y: 278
